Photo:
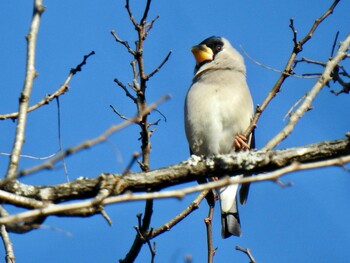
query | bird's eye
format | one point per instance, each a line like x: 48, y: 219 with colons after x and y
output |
x: 218, y: 48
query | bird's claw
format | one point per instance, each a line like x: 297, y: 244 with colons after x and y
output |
x: 240, y: 143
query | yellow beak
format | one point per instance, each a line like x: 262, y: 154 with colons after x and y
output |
x: 202, y: 53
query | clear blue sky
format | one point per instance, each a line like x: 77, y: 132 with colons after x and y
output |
x: 308, y: 222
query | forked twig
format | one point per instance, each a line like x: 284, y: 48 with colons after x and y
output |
x: 247, y: 252
x: 297, y: 48
x: 326, y: 76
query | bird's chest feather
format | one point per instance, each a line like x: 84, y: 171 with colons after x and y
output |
x: 214, y: 116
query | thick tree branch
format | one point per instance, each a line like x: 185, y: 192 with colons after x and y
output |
x: 253, y: 162
x: 223, y: 161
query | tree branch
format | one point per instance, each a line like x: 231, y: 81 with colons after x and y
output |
x: 324, y: 79
x: 174, y: 221
x: 47, y: 99
x: 89, y: 143
x: 281, y: 161
x: 26, y: 92
x: 247, y: 252
x: 10, y: 255
x: 288, y: 70
x: 272, y: 176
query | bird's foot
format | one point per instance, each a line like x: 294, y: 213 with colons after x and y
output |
x: 240, y: 143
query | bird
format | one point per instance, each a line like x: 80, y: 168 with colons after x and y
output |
x: 218, y: 110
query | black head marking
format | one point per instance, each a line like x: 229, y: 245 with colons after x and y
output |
x: 215, y: 43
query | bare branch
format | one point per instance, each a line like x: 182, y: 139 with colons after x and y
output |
x: 145, y: 13
x: 119, y: 114
x: 150, y: 25
x: 26, y: 92
x: 132, y: 19
x: 20, y: 200
x: 78, y: 68
x: 48, y: 98
x: 124, y: 43
x: 287, y: 70
x: 128, y: 94
x: 247, y: 252
x: 334, y: 43
x: 337, y: 78
x: 295, y: 32
x: 89, y: 143
x: 160, y: 66
x: 326, y: 76
x: 288, y: 114
x: 132, y: 162
x: 317, y: 22
x: 10, y: 255
x: 273, y: 69
x: 188, y: 210
x: 209, y: 226
x: 194, y: 169
x: 273, y: 176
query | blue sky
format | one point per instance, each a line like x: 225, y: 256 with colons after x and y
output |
x: 304, y: 223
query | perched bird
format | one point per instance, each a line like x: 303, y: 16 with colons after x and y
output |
x: 218, y: 110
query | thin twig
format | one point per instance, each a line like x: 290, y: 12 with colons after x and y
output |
x: 326, y: 76
x: 124, y: 43
x: 89, y: 143
x: 119, y: 114
x: 106, y: 217
x: 336, y: 77
x: 311, y: 61
x: 247, y: 252
x: 10, y: 255
x: 127, y: 6
x: 136, y: 84
x: 334, y: 43
x: 317, y: 23
x: 174, y: 221
x: 288, y: 69
x: 160, y: 66
x: 150, y: 25
x: 48, y: 98
x: 209, y: 226
x: 145, y: 13
x: 31, y: 156
x: 134, y: 158
x: 60, y: 137
x: 127, y: 92
x: 289, y: 112
x: 294, y: 31
x: 273, y: 69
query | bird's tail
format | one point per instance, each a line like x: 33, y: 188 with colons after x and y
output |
x: 229, y: 211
